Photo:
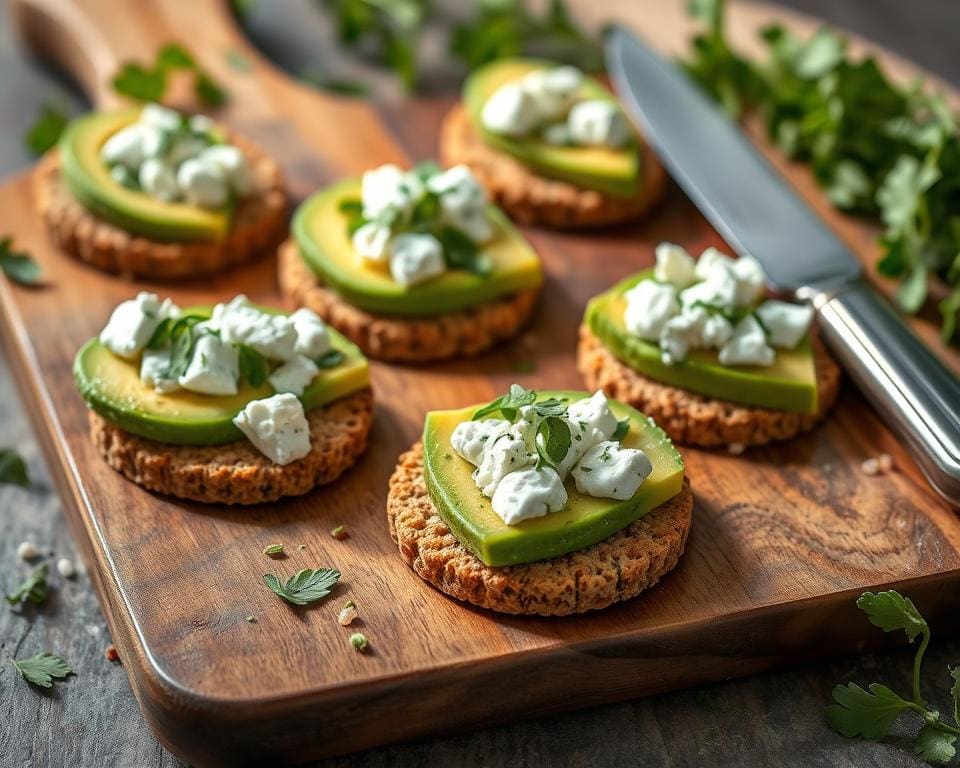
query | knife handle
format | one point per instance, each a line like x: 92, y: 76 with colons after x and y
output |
x: 917, y: 395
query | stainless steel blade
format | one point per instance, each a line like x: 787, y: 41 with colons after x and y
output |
x: 732, y: 184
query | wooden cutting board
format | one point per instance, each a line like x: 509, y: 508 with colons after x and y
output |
x: 784, y: 538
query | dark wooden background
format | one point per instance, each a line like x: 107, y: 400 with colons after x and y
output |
x: 93, y: 720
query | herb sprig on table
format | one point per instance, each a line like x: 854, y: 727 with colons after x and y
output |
x: 871, y: 712
x: 305, y: 586
x: 877, y: 148
x: 149, y: 82
x: 18, y: 266
x: 42, y: 669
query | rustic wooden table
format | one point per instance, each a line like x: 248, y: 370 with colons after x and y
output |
x: 775, y: 719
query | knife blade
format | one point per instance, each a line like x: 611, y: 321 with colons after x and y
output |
x: 759, y: 214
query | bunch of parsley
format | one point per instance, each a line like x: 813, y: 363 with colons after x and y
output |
x: 877, y: 148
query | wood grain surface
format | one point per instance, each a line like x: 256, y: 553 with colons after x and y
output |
x: 779, y: 548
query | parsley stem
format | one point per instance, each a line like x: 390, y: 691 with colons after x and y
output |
x: 917, y: 661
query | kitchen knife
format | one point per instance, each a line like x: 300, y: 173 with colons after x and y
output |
x: 758, y: 214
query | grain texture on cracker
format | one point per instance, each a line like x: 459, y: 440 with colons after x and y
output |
x: 617, y: 568
x: 533, y: 199
x: 693, y: 419
x: 405, y: 339
x: 259, y: 223
x: 237, y: 473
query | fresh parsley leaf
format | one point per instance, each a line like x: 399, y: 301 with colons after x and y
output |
x: 868, y: 714
x: 19, y: 266
x: 935, y: 745
x: 149, y: 83
x: 42, y: 669
x: 305, y: 586
x: 550, y: 407
x: 208, y: 91
x: 553, y: 441
x: 623, y: 427
x: 508, y: 404
x: 13, y: 469
x: 34, y: 589
x: 253, y: 365
x: 46, y: 129
x: 182, y: 342
x: 174, y: 56
x: 140, y: 83
x: 892, y: 611
x: 330, y: 359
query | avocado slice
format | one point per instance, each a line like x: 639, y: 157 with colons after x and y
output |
x: 585, y: 520
x: 616, y: 172
x: 90, y: 182
x: 790, y: 384
x: 320, y: 230
x: 112, y: 388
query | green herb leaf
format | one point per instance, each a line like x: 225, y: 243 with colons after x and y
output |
x: 42, y: 669
x: 553, y: 441
x: 46, y: 129
x: 934, y: 745
x: 13, y: 469
x: 18, y: 266
x: 140, y: 83
x: 149, y: 83
x: 237, y: 61
x: 305, y: 586
x: 955, y: 693
x: 273, y: 549
x: 182, y: 342
x: 623, y: 427
x: 330, y: 359
x: 208, y: 91
x: 174, y: 56
x: 340, y: 87
x: 34, y: 589
x: 869, y: 714
x: 550, y: 407
x: 892, y: 611
x: 507, y: 404
x: 254, y: 367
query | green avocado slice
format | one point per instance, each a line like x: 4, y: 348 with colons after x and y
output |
x: 616, y: 172
x: 320, y: 231
x: 790, y: 384
x: 585, y: 520
x: 90, y: 182
x: 112, y: 388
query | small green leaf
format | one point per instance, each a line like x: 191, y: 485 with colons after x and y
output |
x: 339, y: 86
x: 273, y: 549
x: 330, y: 359
x: 237, y: 61
x: 254, y: 367
x: 955, y: 693
x: 13, y: 469
x: 34, y: 589
x: 18, y: 266
x: 305, y: 586
x: 550, y: 407
x: 508, y: 404
x: 892, y: 611
x: 46, y: 129
x: 553, y: 441
x: 208, y: 91
x: 869, y: 714
x: 140, y: 83
x: 174, y: 56
x: 42, y: 669
x: 913, y: 290
x: 623, y: 427
x: 934, y: 745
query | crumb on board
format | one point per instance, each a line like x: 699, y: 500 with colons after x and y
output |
x: 340, y: 533
x: 347, y: 614
x: 876, y: 465
x: 735, y: 449
x: 111, y: 653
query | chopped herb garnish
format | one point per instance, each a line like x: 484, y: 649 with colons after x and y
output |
x: 330, y: 359
x: 149, y: 83
x: 253, y: 365
x: 623, y: 427
x: 34, y: 589
x: 552, y: 441
x: 46, y: 129
x: 42, y: 669
x: 305, y: 586
x: 508, y: 404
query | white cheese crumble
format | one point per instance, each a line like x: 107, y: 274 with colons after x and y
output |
x: 598, y: 123
x: 693, y: 305
x: 214, y: 367
x: 594, y: 415
x: 504, y: 454
x: 153, y: 371
x: 294, y: 376
x: 27, y: 550
x: 133, y: 322
x: 172, y: 158
x: 313, y: 340
x: 277, y: 426
x: 529, y: 493
x: 415, y: 258
x: 273, y: 336
x: 610, y: 471
x: 469, y: 438
x: 66, y: 568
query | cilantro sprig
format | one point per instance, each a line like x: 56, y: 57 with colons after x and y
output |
x: 305, y: 586
x: 877, y: 148
x: 149, y: 82
x: 870, y: 713
x: 42, y: 669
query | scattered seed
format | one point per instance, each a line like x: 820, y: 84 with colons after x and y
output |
x: 28, y: 551
x: 272, y: 550
x: 301, y: 547
x: 347, y: 614
x: 111, y: 653
x: 735, y: 449
x: 885, y: 460
x: 340, y: 533
x: 359, y: 642
x: 870, y: 466
x: 250, y: 619
x: 66, y: 568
